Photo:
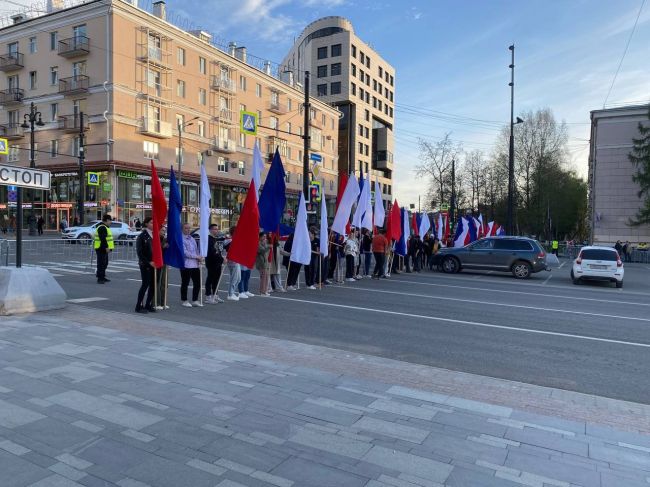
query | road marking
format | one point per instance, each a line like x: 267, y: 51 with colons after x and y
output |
x: 86, y: 300
x: 562, y: 265
x: 523, y: 292
x: 505, y: 305
x: 169, y: 284
x: 470, y: 323
x: 547, y: 279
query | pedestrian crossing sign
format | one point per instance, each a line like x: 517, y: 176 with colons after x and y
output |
x: 93, y: 179
x: 4, y: 146
x: 248, y: 123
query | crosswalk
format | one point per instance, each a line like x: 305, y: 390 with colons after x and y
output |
x: 73, y: 267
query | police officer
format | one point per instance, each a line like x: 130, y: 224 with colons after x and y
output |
x: 103, y: 244
x: 555, y: 245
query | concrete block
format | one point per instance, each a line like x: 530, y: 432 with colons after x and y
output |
x: 29, y: 289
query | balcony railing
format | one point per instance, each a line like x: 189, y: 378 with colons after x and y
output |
x: 227, y: 146
x: 11, y: 131
x: 11, y: 61
x: 74, y: 46
x: 11, y: 96
x: 226, y: 116
x: 74, y: 84
x: 277, y: 107
x: 71, y: 123
x: 226, y: 84
x: 156, y: 128
x: 382, y: 159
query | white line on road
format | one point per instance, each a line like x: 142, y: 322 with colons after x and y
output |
x: 562, y: 265
x: 470, y: 323
x: 505, y: 305
x: 559, y: 296
x: 169, y: 284
x: 86, y: 300
x: 547, y: 279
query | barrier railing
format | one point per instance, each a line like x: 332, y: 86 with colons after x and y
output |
x: 54, y: 250
x: 4, y: 252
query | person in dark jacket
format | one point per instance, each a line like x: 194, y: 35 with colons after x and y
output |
x: 293, y: 268
x: 103, y: 244
x: 214, y: 263
x: 144, y: 250
x: 366, y: 251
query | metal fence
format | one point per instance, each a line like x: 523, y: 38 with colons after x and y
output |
x: 59, y: 250
x: 572, y: 251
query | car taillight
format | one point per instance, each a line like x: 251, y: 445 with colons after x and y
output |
x: 541, y: 255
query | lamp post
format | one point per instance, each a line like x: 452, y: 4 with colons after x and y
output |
x: 510, y: 223
x: 305, y: 139
x: 181, y: 126
x: 31, y: 119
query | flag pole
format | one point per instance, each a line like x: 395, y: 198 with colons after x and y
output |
x: 320, y: 272
x: 201, y: 284
x: 216, y: 292
x: 286, y: 284
x: 155, y: 287
x: 166, y: 286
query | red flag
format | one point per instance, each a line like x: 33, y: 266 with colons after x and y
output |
x: 395, y: 218
x: 414, y: 224
x: 343, y: 182
x: 447, y: 229
x: 159, y: 210
x: 243, y: 248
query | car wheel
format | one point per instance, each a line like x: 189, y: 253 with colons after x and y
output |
x: 521, y: 270
x: 575, y: 280
x: 85, y: 238
x: 619, y: 284
x: 450, y: 265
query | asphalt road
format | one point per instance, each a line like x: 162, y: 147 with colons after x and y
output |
x: 590, y: 338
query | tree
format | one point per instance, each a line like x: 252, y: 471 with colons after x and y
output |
x: 640, y: 157
x: 435, y: 164
x: 475, y: 171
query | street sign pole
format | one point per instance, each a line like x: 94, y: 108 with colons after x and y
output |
x: 19, y: 226
x: 82, y: 170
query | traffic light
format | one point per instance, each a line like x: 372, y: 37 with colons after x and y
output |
x: 314, y: 192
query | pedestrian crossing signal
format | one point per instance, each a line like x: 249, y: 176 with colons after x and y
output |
x: 314, y: 192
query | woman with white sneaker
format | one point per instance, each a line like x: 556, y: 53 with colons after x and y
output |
x: 190, y: 270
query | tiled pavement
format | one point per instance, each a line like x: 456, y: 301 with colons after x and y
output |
x: 152, y: 403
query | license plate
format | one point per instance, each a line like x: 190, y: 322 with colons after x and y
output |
x: 598, y: 267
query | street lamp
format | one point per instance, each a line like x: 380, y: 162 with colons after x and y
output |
x: 510, y: 224
x: 181, y: 126
x: 33, y: 118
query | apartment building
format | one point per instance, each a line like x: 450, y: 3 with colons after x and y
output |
x: 613, y: 196
x: 350, y: 74
x: 138, y: 80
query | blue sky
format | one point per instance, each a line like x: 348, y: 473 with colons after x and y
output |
x: 452, y: 56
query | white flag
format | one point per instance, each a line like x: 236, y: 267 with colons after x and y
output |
x: 363, y: 219
x: 301, y: 248
x: 425, y: 225
x: 441, y: 225
x: 366, y: 222
x: 350, y: 195
x: 258, y: 166
x: 204, y: 221
x: 324, y: 235
x: 380, y: 213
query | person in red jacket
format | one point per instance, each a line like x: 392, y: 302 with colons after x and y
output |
x: 380, y: 248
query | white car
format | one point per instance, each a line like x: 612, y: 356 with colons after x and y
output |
x: 87, y: 232
x: 598, y: 264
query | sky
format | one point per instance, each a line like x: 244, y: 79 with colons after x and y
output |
x: 451, y: 58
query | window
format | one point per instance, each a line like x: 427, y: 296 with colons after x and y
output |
x: 374, y: 84
x: 287, y: 177
x: 289, y: 104
x: 354, y: 70
x: 366, y: 149
x: 79, y: 68
x: 221, y: 165
x: 289, y: 127
x: 361, y: 130
x: 367, y: 115
x: 200, y: 127
x: 391, y: 96
x: 386, y: 109
x: 595, y: 254
x: 367, y: 97
x: 54, y: 40
x: 362, y: 76
x: 360, y: 147
x: 153, y: 81
x: 180, y: 88
x: 32, y: 45
x: 13, y: 82
x: 75, y: 147
x: 379, y: 105
x: 54, y: 75
x: 381, y: 71
x: 273, y: 123
x: 202, y: 65
x: 323, y: 120
x: 361, y: 95
x: 258, y: 90
x: 353, y: 89
x: 79, y: 31
x: 322, y: 52
x: 391, y: 80
x: 54, y: 111
x: 150, y: 150
x: 367, y: 133
x: 367, y: 79
x: 54, y: 148
x: 181, y: 152
x: 180, y: 120
x: 386, y: 92
x: 242, y: 83
x: 275, y: 98
x: 14, y: 153
x: 203, y: 96
x: 362, y: 58
x: 335, y: 88
x: 335, y: 69
x: 354, y: 50
x: 368, y: 62
x: 322, y: 71
x: 322, y: 90
x: 181, y: 56
x: 331, y: 185
x: 391, y: 112
x: 374, y: 102
x: 32, y: 80
x: 299, y: 178
x: 241, y: 168
x: 242, y: 140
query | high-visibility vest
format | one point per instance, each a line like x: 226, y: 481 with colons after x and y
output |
x: 109, y: 238
x: 555, y: 244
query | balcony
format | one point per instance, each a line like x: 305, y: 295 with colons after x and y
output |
x: 224, y: 84
x: 11, y: 96
x: 382, y: 160
x: 74, y: 46
x: 156, y: 128
x: 11, y: 61
x: 226, y: 116
x: 70, y: 123
x: 11, y: 131
x: 226, y: 146
x: 74, y: 84
x: 277, y: 108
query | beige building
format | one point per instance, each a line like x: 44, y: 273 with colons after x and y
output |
x: 613, y: 197
x: 348, y: 73
x: 137, y: 78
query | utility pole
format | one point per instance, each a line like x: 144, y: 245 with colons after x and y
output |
x: 510, y: 224
x: 82, y: 171
x: 180, y: 154
x: 453, y: 192
x: 305, y: 140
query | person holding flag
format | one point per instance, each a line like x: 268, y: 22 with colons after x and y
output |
x: 144, y: 250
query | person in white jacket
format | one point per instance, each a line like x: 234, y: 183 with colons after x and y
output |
x: 351, y: 249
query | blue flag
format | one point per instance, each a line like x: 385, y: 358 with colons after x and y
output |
x: 400, y: 245
x: 273, y: 197
x: 174, y: 255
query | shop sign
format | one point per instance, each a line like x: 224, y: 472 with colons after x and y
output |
x: 143, y: 206
x: 239, y: 189
x: 107, y: 187
x: 13, y: 204
x: 128, y: 174
x: 59, y: 205
x: 213, y: 211
x: 63, y: 174
x: 90, y: 204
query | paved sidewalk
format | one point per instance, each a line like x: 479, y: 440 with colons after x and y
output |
x: 154, y: 403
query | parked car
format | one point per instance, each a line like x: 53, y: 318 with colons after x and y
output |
x: 598, y: 264
x: 520, y: 255
x: 119, y: 230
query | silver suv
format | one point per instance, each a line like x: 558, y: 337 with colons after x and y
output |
x: 520, y: 255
